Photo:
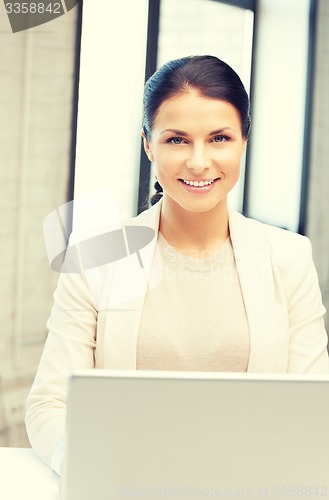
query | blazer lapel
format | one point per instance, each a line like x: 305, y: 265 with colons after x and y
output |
x: 254, y: 266
x: 127, y: 287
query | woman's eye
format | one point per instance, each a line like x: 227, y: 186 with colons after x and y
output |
x: 220, y: 138
x: 176, y: 140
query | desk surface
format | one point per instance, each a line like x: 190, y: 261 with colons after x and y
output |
x: 25, y: 477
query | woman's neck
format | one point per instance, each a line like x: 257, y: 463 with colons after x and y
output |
x: 194, y: 231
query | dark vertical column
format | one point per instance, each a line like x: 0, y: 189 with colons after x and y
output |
x: 151, y: 65
x: 308, y: 117
x: 75, y: 101
x: 246, y: 191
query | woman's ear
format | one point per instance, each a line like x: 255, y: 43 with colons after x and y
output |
x: 147, y: 148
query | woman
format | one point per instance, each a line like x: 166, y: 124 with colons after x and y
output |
x: 215, y: 291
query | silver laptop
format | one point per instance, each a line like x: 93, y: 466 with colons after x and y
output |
x: 188, y: 435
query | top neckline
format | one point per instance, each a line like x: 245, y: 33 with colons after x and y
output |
x: 223, y: 254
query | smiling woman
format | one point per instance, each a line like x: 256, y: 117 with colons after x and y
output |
x: 213, y: 290
x: 196, y: 125
x: 206, y: 148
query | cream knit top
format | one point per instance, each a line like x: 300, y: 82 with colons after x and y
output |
x: 195, y: 318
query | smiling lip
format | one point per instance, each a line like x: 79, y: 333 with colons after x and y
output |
x: 199, y: 189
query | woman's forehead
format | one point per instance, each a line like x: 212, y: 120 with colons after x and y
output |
x: 190, y: 109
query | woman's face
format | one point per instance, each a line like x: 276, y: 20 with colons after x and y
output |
x: 196, y: 146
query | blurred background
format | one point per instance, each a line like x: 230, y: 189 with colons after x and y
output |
x: 70, y: 122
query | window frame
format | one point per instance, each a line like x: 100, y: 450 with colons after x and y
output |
x: 308, y: 112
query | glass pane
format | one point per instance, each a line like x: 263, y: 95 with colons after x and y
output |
x: 195, y: 27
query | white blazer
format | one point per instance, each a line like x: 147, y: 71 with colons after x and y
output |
x: 96, y: 316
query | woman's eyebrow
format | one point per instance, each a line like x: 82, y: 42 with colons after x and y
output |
x: 221, y: 130
x: 174, y: 131
x: 185, y: 134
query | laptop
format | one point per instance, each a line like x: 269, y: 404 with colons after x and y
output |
x: 188, y: 435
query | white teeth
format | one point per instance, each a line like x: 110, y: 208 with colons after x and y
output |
x: 198, y: 184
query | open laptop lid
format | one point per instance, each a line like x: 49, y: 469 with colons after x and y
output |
x: 188, y: 435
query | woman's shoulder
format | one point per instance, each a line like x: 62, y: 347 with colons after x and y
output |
x: 284, y: 245
x: 267, y: 231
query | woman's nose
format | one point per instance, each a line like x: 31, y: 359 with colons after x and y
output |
x: 198, y: 161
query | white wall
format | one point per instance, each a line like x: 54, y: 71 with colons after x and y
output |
x: 276, y: 144
x: 36, y: 100
x: 110, y: 100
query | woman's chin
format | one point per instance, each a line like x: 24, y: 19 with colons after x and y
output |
x: 197, y: 206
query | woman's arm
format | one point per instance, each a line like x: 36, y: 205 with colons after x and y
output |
x: 308, y: 338
x: 70, y: 345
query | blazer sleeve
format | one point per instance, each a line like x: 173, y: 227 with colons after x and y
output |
x: 308, y: 337
x: 70, y: 345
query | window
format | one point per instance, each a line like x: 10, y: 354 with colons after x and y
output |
x: 279, y: 136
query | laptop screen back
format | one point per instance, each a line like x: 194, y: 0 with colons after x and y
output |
x: 196, y: 435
